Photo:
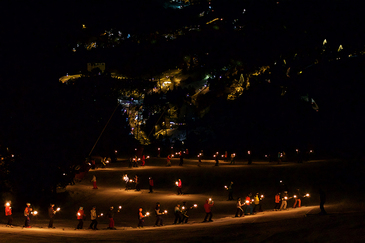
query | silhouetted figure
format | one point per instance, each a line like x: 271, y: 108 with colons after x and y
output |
x: 322, y: 197
x: 230, y: 191
x: 159, y: 220
x: 150, y: 181
x: 177, y: 213
x: 216, y: 160
x: 181, y: 158
x: 249, y: 158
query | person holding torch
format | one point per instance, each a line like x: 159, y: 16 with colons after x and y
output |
x: 248, y: 203
x: 8, y: 214
x: 239, y: 207
x: 257, y: 200
x: 80, y: 217
x: 284, y: 201
x: 184, y: 212
x: 230, y: 191
x: 110, y: 215
x: 93, y: 217
x: 179, y: 187
x: 208, y: 209
x: 297, y: 198
x: 27, y: 212
x: 159, y: 220
x: 51, y: 213
x: 141, y: 217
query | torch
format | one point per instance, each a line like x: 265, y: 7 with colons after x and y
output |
x: 183, y: 208
x: 165, y: 211
x: 148, y: 156
x: 35, y: 213
x: 195, y: 205
x: 7, y: 204
x: 177, y: 183
x: 147, y: 214
x: 101, y: 215
x: 262, y: 196
x: 226, y: 187
x: 307, y: 195
x: 58, y: 209
x: 286, y: 198
x: 295, y: 196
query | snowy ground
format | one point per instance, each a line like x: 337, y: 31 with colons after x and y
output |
x: 340, y: 181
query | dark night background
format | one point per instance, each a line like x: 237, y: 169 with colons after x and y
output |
x: 50, y: 126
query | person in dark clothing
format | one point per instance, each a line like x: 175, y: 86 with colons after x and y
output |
x: 51, y: 213
x: 159, y: 220
x: 150, y: 181
x: 249, y: 157
x: 110, y: 215
x: 216, y: 159
x: 230, y: 191
x: 178, y: 215
x: 322, y: 197
x: 181, y: 155
x: 184, y: 212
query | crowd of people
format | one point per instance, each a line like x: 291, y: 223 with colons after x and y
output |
x: 251, y: 205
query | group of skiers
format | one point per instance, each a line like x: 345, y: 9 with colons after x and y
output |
x: 28, y: 211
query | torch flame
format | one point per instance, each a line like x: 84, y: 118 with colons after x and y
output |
x: 78, y: 214
x: 210, y: 199
x: 35, y: 213
x: 165, y: 211
x: 307, y: 194
x: 262, y: 195
x: 147, y: 213
x: 247, y: 202
x: 120, y: 207
x: 195, y: 205
x: 7, y: 204
x: 58, y: 209
x: 101, y: 214
x: 285, y: 198
x: 295, y: 196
